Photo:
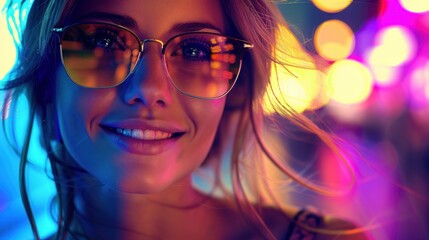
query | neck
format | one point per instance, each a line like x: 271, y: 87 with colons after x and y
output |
x: 106, y: 213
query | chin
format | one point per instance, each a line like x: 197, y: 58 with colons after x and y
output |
x: 140, y: 190
x: 139, y: 185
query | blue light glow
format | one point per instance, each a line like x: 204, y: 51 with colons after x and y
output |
x: 7, y: 47
x: 14, y: 223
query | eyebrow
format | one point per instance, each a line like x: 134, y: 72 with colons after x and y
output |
x: 194, y: 26
x: 129, y: 22
x: 122, y: 20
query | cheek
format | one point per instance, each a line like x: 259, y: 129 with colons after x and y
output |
x: 77, y: 109
x: 205, y: 117
x: 206, y: 114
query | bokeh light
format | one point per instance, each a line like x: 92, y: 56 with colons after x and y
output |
x: 385, y: 75
x: 297, y: 91
x: 7, y: 47
x: 395, y: 46
x: 419, y: 84
x: 334, y: 40
x: 295, y: 95
x: 297, y: 83
x: 415, y: 6
x: 332, y: 6
x: 297, y: 88
x: 349, y: 82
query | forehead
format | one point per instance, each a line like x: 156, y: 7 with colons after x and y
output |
x: 151, y: 17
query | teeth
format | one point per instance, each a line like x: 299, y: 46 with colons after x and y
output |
x: 137, y: 134
x: 127, y: 132
x: 144, y: 134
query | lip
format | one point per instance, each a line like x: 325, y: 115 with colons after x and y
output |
x: 141, y: 146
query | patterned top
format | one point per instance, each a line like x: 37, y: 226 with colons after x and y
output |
x: 306, y: 218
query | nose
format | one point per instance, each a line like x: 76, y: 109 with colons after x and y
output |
x: 148, y: 84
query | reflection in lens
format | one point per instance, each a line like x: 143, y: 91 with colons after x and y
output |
x: 93, y: 58
x: 203, y: 65
x: 203, y: 78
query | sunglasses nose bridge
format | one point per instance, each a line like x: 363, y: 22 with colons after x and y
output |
x: 143, y: 43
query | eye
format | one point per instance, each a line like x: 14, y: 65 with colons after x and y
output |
x: 105, y: 39
x: 193, y: 49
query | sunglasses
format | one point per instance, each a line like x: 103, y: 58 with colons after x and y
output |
x: 199, y: 64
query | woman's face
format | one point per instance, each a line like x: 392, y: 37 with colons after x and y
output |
x: 172, y: 132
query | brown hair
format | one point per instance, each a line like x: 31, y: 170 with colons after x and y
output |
x: 257, y: 21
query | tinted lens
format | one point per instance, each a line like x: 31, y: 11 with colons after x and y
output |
x: 203, y: 64
x: 99, y: 55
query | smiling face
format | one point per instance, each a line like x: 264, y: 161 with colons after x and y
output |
x: 143, y: 135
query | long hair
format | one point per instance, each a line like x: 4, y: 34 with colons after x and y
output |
x: 33, y: 77
x: 257, y: 21
x: 276, y: 49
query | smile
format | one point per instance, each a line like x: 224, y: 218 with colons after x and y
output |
x: 143, y: 140
x: 144, y: 134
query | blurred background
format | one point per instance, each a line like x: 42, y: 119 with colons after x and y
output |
x: 374, y: 95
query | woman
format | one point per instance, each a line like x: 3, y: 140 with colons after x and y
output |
x: 134, y: 96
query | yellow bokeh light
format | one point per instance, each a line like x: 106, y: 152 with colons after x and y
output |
x: 296, y: 96
x: 395, y: 46
x: 299, y: 89
x: 332, y: 6
x: 334, y: 40
x: 296, y: 83
x: 415, y: 6
x: 7, y: 48
x: 314, y: 82
x: 349, y: 82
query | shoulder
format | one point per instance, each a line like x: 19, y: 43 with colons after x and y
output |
x: 308, y: 224
x: 289, y: 223
x: 294, y: 223
x: 341, y: 229
x: 237, y: 223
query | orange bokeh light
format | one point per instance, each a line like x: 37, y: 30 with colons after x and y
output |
x: 334, y: 40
